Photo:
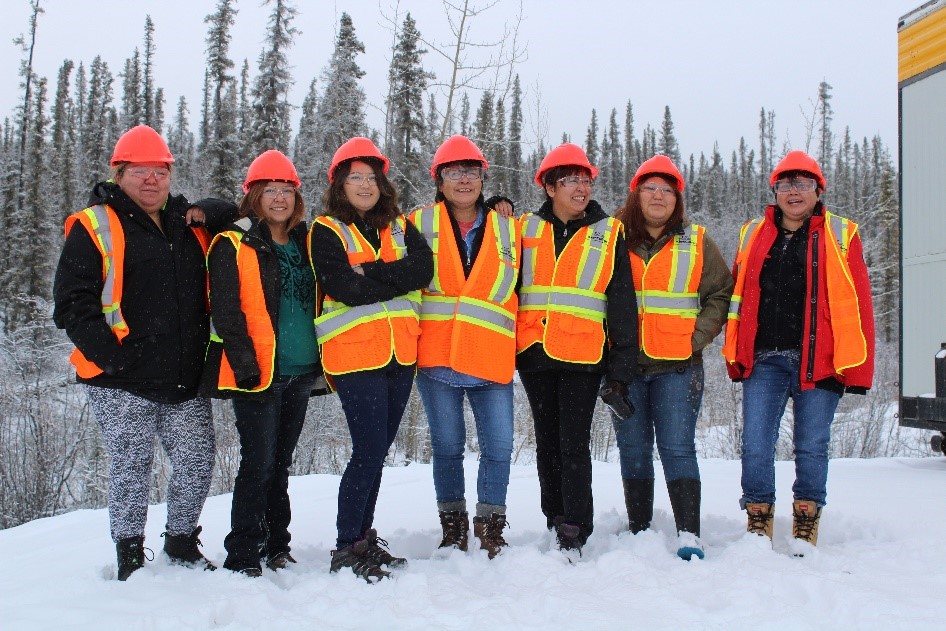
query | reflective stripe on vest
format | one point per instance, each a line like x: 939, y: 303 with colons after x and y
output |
x: 668, y: 299
x: 259, y: 325
x: 364, y: 337
x: 468, y: 323
x: 105, y: 230
x: 565, y: 307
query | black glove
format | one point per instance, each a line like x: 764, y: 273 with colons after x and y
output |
x: 614, y: 395
x: 248, y: 383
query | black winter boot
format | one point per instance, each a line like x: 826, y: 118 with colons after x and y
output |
x: 131, y: 556
x: 639, y: 499
x: 182, y: 550
x: 685, y: 500
x: 456, y: 529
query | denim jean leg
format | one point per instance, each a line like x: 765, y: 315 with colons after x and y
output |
x: 293, y: 404
x: 764, y: 397
x: 814, y: 412
x: 443, y: 404
x: 635, y: 434
x: 257, y: 423
x: 492, y: 412
x: 675, y: 399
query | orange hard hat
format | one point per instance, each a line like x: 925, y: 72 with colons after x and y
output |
x: 357, y: 147
x: 566, y: 154
x: 658, y: 165
x: 798, y: 161
x: 141, y: 144
x: 271, y: 165
x: 455, y: 149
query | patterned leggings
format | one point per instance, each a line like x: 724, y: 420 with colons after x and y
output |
x: 129, y: 424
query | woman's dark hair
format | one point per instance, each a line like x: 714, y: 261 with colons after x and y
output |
x: 553, y: 175
x: 335, y: 202
x: 480, y: 202
x: 251, y: 204
x: 631, y: 215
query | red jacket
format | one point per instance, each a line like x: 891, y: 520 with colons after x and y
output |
x: 818, y: 339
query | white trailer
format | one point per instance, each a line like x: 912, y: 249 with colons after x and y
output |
x: 921, y: 36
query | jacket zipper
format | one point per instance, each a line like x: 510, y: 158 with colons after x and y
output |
x: 813, y: 306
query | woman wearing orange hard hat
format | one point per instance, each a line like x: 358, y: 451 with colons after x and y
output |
x: 801, y: 326
x: 467, y: 344
x: 575, y: 327
x: 683, y: 288
x: 263, y: 354
x: 131, y: 292
x: 371, y: 264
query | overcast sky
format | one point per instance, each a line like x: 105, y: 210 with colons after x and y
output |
x: 716, y: 64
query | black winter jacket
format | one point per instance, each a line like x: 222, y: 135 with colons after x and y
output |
x: 164, y: 301
x: 619, y: 359
x: 228, y: 318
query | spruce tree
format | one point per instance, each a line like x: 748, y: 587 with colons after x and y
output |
x: 64, y: 195
x: 667, y: 144
x: 517, y: 179
x: 306, y: 154
x: 97, y: 128
x: 340, y: 113
x: 149, y: 97
x: 591, y: 139
x: 271, y: 125
x: 132, y: 107
x: 405, y: 144
x: 500, y: 178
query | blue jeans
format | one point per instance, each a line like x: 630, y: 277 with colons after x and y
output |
x: 374, y: 402
x: 666, y: 405
x: 269, y: 425
x: 775, y: 378
x: 492, y: 413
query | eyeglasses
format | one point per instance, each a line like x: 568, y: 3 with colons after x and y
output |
x: 651, y: 189
x: 572, y: 181
x: 455, y: 174
x: 273, y: 192
x: 800, y: 184
x: 358, y: 179
x: 143, y: 173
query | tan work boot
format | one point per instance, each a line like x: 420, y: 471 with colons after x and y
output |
x: 761, y: 518
x: 489, y: 530
x: 805, y: 517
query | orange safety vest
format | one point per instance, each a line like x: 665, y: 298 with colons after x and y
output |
x: 469, y: 324
x: 259, y: 325
x: 365, y: 337
x: 668, y: 297
x: 103, y: 225
x: 850, y: 344
x: 562, y: 302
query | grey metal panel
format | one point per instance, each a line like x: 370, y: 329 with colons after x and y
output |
x: 923, y: 225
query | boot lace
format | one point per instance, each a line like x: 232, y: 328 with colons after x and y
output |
x: 493, y: 530
x: 377, y: 551
x: 805, y: 524
x: 759, y: 522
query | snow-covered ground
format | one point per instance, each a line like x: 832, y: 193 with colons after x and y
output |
x: 879, y: 564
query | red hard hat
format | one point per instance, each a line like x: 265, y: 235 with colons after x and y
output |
x: 658, y: 165
x: 141, y: 144
x: 566, y: 154
x: 798, y: 161
x: 271, y: 165
x: 357, y: 147
x: 455, y: 149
